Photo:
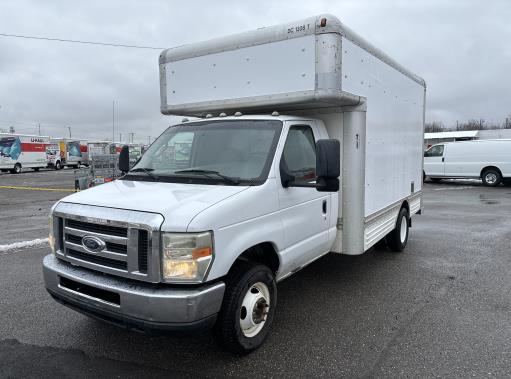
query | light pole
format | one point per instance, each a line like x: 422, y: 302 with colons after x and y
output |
x: 69, y: 131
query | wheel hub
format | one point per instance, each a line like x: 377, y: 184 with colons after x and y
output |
x: 254, y: 309
x: 491, y: 178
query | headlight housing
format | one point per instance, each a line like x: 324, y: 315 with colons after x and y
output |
x: 186, y: 257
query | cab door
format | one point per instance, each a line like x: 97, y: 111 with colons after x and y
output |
x: 434, y: 161
x: 304, y: 210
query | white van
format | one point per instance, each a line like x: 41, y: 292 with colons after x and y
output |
x: 488, y: 160
x: 220, y: 208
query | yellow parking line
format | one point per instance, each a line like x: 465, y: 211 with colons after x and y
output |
x: 39, y: 188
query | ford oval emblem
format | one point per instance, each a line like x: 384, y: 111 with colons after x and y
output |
x: 93, y: 244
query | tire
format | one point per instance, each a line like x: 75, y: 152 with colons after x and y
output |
x: 16, y: 169
x: 398, y: 238
x: 436, y: 180
x: 58, y: 165
x: 36, y: 169
x: 491, y: 177
x: 252, y: 284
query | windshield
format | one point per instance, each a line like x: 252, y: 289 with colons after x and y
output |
x: 211, y: 152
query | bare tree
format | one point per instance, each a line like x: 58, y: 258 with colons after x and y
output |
x: 434, y: 127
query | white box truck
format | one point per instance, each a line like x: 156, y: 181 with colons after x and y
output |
x: 19, y: 151
x: 71, y: 153
x: 488, y: 160
x: 221, y: 208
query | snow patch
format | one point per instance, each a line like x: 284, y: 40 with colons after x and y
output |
x: 23, y: 245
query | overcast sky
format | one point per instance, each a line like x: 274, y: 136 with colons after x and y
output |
x: 461, y: 48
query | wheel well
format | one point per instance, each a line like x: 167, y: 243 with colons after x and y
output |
x: 264, y: 253
x: 406, y: 206
x: 490, y: 167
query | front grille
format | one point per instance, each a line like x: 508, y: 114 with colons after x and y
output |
x: 113, y: 263
x: 119, y: 242
x: 143, y: 247
x: 97, y: 228
x: 110, y: 246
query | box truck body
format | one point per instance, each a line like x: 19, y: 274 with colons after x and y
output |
x: 19, y: 151
x: 488, y: 160
x: 309, y: 141
x: 71, y: 152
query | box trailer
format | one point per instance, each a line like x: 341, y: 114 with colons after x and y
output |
x: 308, y: 141
x: 488, y: 160
x: 19, y: 151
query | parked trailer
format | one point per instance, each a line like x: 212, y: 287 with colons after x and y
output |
x: 218, y: 210
x: 488, y: 160
x: 20, y: 151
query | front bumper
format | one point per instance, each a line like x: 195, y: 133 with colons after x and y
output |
x: 132, y: 304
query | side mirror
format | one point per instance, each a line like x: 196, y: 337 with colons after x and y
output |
x: 124, y: 159
x: 328, y: 169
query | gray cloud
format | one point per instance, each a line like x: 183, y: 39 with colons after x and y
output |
x: 461, y: 49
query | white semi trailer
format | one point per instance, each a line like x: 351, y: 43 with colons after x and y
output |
x: 309, y: 141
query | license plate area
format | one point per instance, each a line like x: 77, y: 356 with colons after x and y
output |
x: 90, y: 292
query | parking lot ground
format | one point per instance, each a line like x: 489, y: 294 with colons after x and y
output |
x: 440, y: 308
x: 26, y: 199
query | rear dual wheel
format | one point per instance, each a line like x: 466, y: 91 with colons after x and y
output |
x: 398, y: 238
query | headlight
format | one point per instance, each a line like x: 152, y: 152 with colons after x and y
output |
x: 186, y: 257
x: 51, y: 237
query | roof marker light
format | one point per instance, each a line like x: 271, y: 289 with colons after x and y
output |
x: 185, y: 120
x: 222, y: 115
x: 209, y: 115
x: 275, y: 113
x: 237, y: 114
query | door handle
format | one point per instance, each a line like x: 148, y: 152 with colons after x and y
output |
x: 324, y: 207
x: 443, y: 159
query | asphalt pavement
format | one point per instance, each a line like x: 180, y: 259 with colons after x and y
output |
x: 441, y: 308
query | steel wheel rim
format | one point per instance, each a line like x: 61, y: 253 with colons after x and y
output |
x: 491, y: 178
x: 254, y: 309
x: 403, y: 229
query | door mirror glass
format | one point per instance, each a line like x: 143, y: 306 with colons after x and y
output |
x: 328, y: 159
x: 124, y: 159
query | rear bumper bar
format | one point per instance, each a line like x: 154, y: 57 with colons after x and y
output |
x: 132, y: 304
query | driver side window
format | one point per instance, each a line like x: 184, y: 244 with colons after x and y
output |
x: 299, y: 154
x: 435, y: 151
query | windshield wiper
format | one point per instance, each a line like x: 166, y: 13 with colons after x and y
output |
x: 208, y: 173
x: 146, y: 171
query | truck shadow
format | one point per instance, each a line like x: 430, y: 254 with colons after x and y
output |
x: 320, y: 304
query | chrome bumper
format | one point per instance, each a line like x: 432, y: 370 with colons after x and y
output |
x: 132, y: 304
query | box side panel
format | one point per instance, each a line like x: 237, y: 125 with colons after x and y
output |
x: 268, y: 69
x: 394, y: 135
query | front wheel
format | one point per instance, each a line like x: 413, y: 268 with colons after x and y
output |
x: 248, y: 308
x: 16, y: 169
x: 58, y: 165
x: 397, y: 239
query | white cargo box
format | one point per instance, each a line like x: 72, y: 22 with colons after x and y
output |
x: 287, y: 67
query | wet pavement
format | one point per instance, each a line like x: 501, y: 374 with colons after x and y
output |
x: 440, y: 308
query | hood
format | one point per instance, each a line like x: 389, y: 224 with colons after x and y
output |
x: 178, y: 203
